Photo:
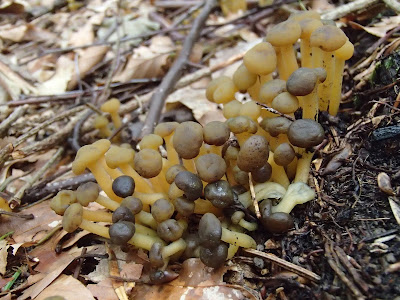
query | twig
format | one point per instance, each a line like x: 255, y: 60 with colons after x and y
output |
x: 11, y: 119
x: 286, y: 265
x: 274, y: 111
x: 16, y: 200
x: 77, y: 129
x: 51, y: 188
x: 346, y: 9
x: 393, y: 4
x: 171, y: 78
x: 56, y: 118
x: 17, y: 215
x: 80, y: 262
x: 253, y: 197
x: 343, y: 277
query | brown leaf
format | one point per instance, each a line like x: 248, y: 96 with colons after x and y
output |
x: 67, y: 287
x: 131, y: 271
x: 32, y: 230
x: 195, y: 281
x: 103, y: 290
x: 88, y: 58
x: 3, y: 256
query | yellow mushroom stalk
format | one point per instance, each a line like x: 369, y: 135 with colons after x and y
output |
x: 112, y: 106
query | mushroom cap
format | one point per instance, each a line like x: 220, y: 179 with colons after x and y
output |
x: 305, y: 133
x: 243, y: 78
x: 308, y: 26
x: 242, y: 124
x: 89, y: 154
x: 274, y: 222
x: 210, y: 167
x: 192, y: 245
x: 214, y: 257
x: 250, y: 109
x: 151, y: 141
x: 123, y: 186
x: 148, y: 163
x: 329, y: 38
x: 155, y: 255
x: 275, y: 126
x: 302, y: 82
x: 169, y: 230
x: 225, y: 92
x: 231, y: 109
x: 285, y: 33
x: 62, y: 201
x: 261, y: 59
x: 172, y: 172
x: 216, y: 133
x: 210, y: 230
x: 284, y: 154
x: 346, y: 51
x: 188, y: 139
x: 271, y: 89
x: 253, y: 153
x: 117, y: 156
x: 214, y: 84
x: 165, y: 129
x: 111, y: 106
x: 285, y: 103
x: 121, y: 232
x: 100, y: 122
x: 134, y: 204
x: 123, y: 213
x: 190, y: 184
x: 241, y: 177
x: 162, y: 210
x: 219, y: 193
x: 87, y: 192
x: 262, y: 174
x: 73, y: 217
x: 184, y: 206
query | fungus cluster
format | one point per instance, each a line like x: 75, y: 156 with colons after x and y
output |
x: 195, y: 200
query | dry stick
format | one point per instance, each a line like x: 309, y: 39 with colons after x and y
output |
x: 17, y: 215
x: 253, y: 197
x: 393, y: 4
x: 346, y: 9
x: 286, y: 265
x: 169, y: 81
x: 11, y: 119
x: 274, y: 111
x: 340, y: 273
x: 16, y: 199
x: 56, y: 118
x: 345, y: 261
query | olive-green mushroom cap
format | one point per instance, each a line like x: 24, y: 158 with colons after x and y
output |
x: 210, y: 167
x: 73, y: 217
x: 271, y: 89
x: 283, y: 34
x: 148, y: 163
x: 89, y: 154
x: 117, y: 156
x: 188, y: 139
x: 261, y: 59
x: 216, y: 133
x: 305, y: 133
x: 253, y: 153
x: 329, y: 38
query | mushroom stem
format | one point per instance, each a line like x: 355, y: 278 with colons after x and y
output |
x: 289, y: 60
x: 278, y: 172
x: 324, y: 90
x: 248, y: 225
x: 172, y: 155
x: 266, y: 190
x: 145, y: 230
x: 149, y: 199
x: 142, y: 185
x: 202, y: 206
x: 95, y: 228
x: 114, y: 173
x: 97, y: 216
x: 297, y: 193
x: 144, y: 241
x: 104, y: 180
x: 303, y: 166
x: 238, y: 239
x: 107, y: 202
x: 174, y: 247
x: 232, y: 251
x: 146, y: 219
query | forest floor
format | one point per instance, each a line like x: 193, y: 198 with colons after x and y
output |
x: 60, y: 60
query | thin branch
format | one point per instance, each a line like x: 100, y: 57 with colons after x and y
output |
x: 169, y: 81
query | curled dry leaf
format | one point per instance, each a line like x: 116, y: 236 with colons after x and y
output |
x: 337, y: 161
x: 195, y: 281
x: 57, y: 84
x: 385, y: 184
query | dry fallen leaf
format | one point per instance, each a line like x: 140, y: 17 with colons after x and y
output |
x: 381, y: 28
x: 30, y: 231
x: 103, y: 290
x: 3, y: 256
x: 67, y: 287
x: 194, y: 282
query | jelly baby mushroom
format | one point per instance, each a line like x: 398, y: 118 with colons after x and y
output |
x: 304, y: 83
x: 341, y: 55
x: 283, y: 36
x: 118, y: 157
x: 324, y: 41
x: 91, y: 156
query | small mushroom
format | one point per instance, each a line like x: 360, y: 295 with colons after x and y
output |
x: 214, y: 257
x: 112, y: 106
x: 190, y: 184
x: 297, y: 193
x: 123, y: 186
x: 210, y: 167
x: 121, y: 232
x: 278, y: 222
x: 219, y: 193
